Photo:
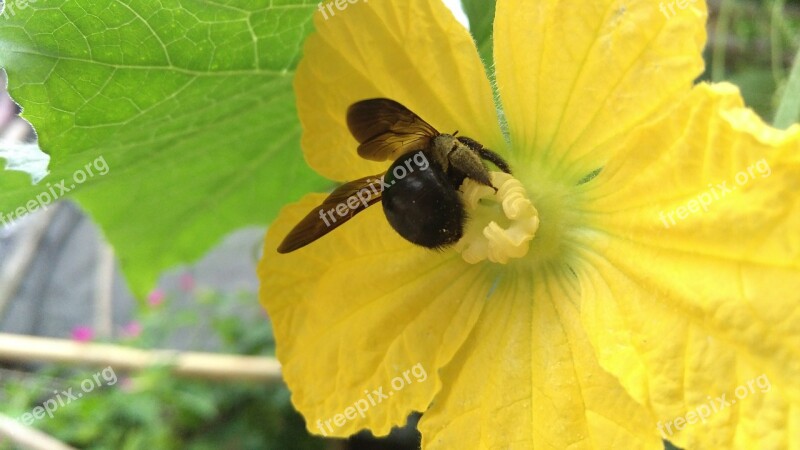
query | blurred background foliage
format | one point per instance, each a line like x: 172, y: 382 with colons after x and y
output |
x: 752, y: 43
x: 154, y: 409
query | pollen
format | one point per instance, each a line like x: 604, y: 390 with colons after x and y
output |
x: 502, y: 224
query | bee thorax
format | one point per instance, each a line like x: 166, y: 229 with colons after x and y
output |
x: 459, y: 160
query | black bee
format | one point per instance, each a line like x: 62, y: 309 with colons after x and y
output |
x: 422, y: 204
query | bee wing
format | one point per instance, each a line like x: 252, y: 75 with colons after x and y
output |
x: 386, y: 129
x: 318, y: 222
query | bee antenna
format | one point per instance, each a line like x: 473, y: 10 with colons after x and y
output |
x: 455, y: 133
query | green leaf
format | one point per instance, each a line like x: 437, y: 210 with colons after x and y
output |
x: 481, y: 22
x: 186, y: 106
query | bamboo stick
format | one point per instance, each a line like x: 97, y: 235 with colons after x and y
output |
x: 186, y: 364
x: 28, y: 438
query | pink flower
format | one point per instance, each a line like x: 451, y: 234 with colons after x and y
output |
x: 82, y: 334
x: 126, y: 384
x: 156, y: 297
x: 132, y: 330
x: 186, y: 282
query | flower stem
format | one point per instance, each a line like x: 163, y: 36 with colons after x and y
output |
x: 720, y: 38
x: 776, y: 23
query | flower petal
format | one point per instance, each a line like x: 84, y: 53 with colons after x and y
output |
x: 528, y: 378
x: 707, y: 392
x: 692, y: 287
x: 359, y: 308
x: 575, y: 77
x: 414, y: 52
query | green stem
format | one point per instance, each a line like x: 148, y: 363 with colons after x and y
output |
x: 789, y: 108
x: 776, y: 22
x: 720, y: 37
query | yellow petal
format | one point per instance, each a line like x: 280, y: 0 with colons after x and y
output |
x: 359, y: 308
x: 575, y: 77
x: 706, y: 391
x: 414, y: 52
x: 691, y: 284
x: 528, y: 378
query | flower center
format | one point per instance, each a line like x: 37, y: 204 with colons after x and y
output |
x: 497, y: 242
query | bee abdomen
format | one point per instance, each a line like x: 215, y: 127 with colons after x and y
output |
x: 423, y: 206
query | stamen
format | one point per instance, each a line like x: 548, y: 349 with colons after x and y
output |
x: 493, y: 242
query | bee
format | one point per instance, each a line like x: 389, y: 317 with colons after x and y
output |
x: 423, y: 205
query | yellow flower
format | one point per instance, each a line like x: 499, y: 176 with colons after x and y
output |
x: 658, y: 297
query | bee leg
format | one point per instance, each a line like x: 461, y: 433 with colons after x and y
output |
x: 485, y: 153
